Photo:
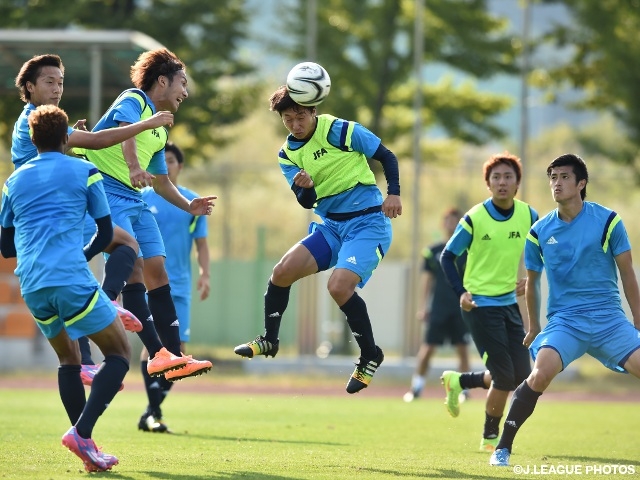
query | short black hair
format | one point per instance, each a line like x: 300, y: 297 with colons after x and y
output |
x: 577, y: 164
x: 30, y: 72
x: 280, y: 101
x: 173, y: 148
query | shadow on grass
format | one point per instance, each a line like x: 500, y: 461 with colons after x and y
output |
x: 262, y: 440
x: 437, y: 474
x: 588, y: 460
x: 207, y: 475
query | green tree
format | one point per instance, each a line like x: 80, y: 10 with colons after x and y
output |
x: 207, y: 40
x: 367, y: 47
x: 600, y: 58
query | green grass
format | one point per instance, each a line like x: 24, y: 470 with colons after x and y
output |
x: 269, y: 437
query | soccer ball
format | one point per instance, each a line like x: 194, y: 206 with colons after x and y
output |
x: 308, y: 84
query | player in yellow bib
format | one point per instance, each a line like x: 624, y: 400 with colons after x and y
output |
x: 324, y: 160
x: 493, y: 234
x: 160, y: 84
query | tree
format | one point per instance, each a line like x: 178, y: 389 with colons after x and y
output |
x: 366, y: 45
x: 207, y: 40
x: 600, y: 59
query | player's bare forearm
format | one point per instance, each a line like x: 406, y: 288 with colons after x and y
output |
x: 204, y: 287
x: 138, y: 177
x: 112, y: 136
x: 202, y: 253
x: 629, y: 285
x: 167, y: 190
x: 631, y: 293
x: 532, y: 296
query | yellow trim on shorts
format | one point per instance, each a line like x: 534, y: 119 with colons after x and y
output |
x: 47, y: 321
x: 86, y: 311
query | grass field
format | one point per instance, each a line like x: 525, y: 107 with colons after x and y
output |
x: 305, y: 436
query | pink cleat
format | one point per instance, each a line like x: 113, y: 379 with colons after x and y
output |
x: 85, y: 448
x: 110, y: 460
x: 128, y: 319
x: 87, y: 372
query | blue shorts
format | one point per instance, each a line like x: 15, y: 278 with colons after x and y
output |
x: 183, y: 310
x: 134, y: 216
x: 81, y: 310
x: 606, y: 335
x: 358, y: 244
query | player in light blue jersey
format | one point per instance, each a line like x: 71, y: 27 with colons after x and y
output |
x: 180, y: 231
x: 160, y: 83
x: 42, y: 224
x: 41, y: 82
x: 324, y: 160
x: 581, y: 246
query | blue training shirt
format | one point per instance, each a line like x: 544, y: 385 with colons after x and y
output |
x: 49, y: 220
x: 579, y: 258
x: 22, y: 148
x: 357, y: 198
x: 179, y: 230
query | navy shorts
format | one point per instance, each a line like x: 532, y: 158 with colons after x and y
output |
x: 446, y: 326
x: 498, y: 333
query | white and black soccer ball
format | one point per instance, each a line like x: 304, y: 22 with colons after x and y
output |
x: 308, y: 84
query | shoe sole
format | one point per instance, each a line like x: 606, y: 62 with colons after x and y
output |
x: 192, y: 374
x: 159, y: 373
x: 88, y: 466
x: 250, y: 354
x: 356, y: 387
x: 145, y: 429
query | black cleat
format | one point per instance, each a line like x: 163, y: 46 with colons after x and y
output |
x: 149, y: 423
x: 362, y: 375
x: 259, y: 346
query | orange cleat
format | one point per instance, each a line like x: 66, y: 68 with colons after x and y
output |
x: 193, y: 368
x: 165, y: 361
